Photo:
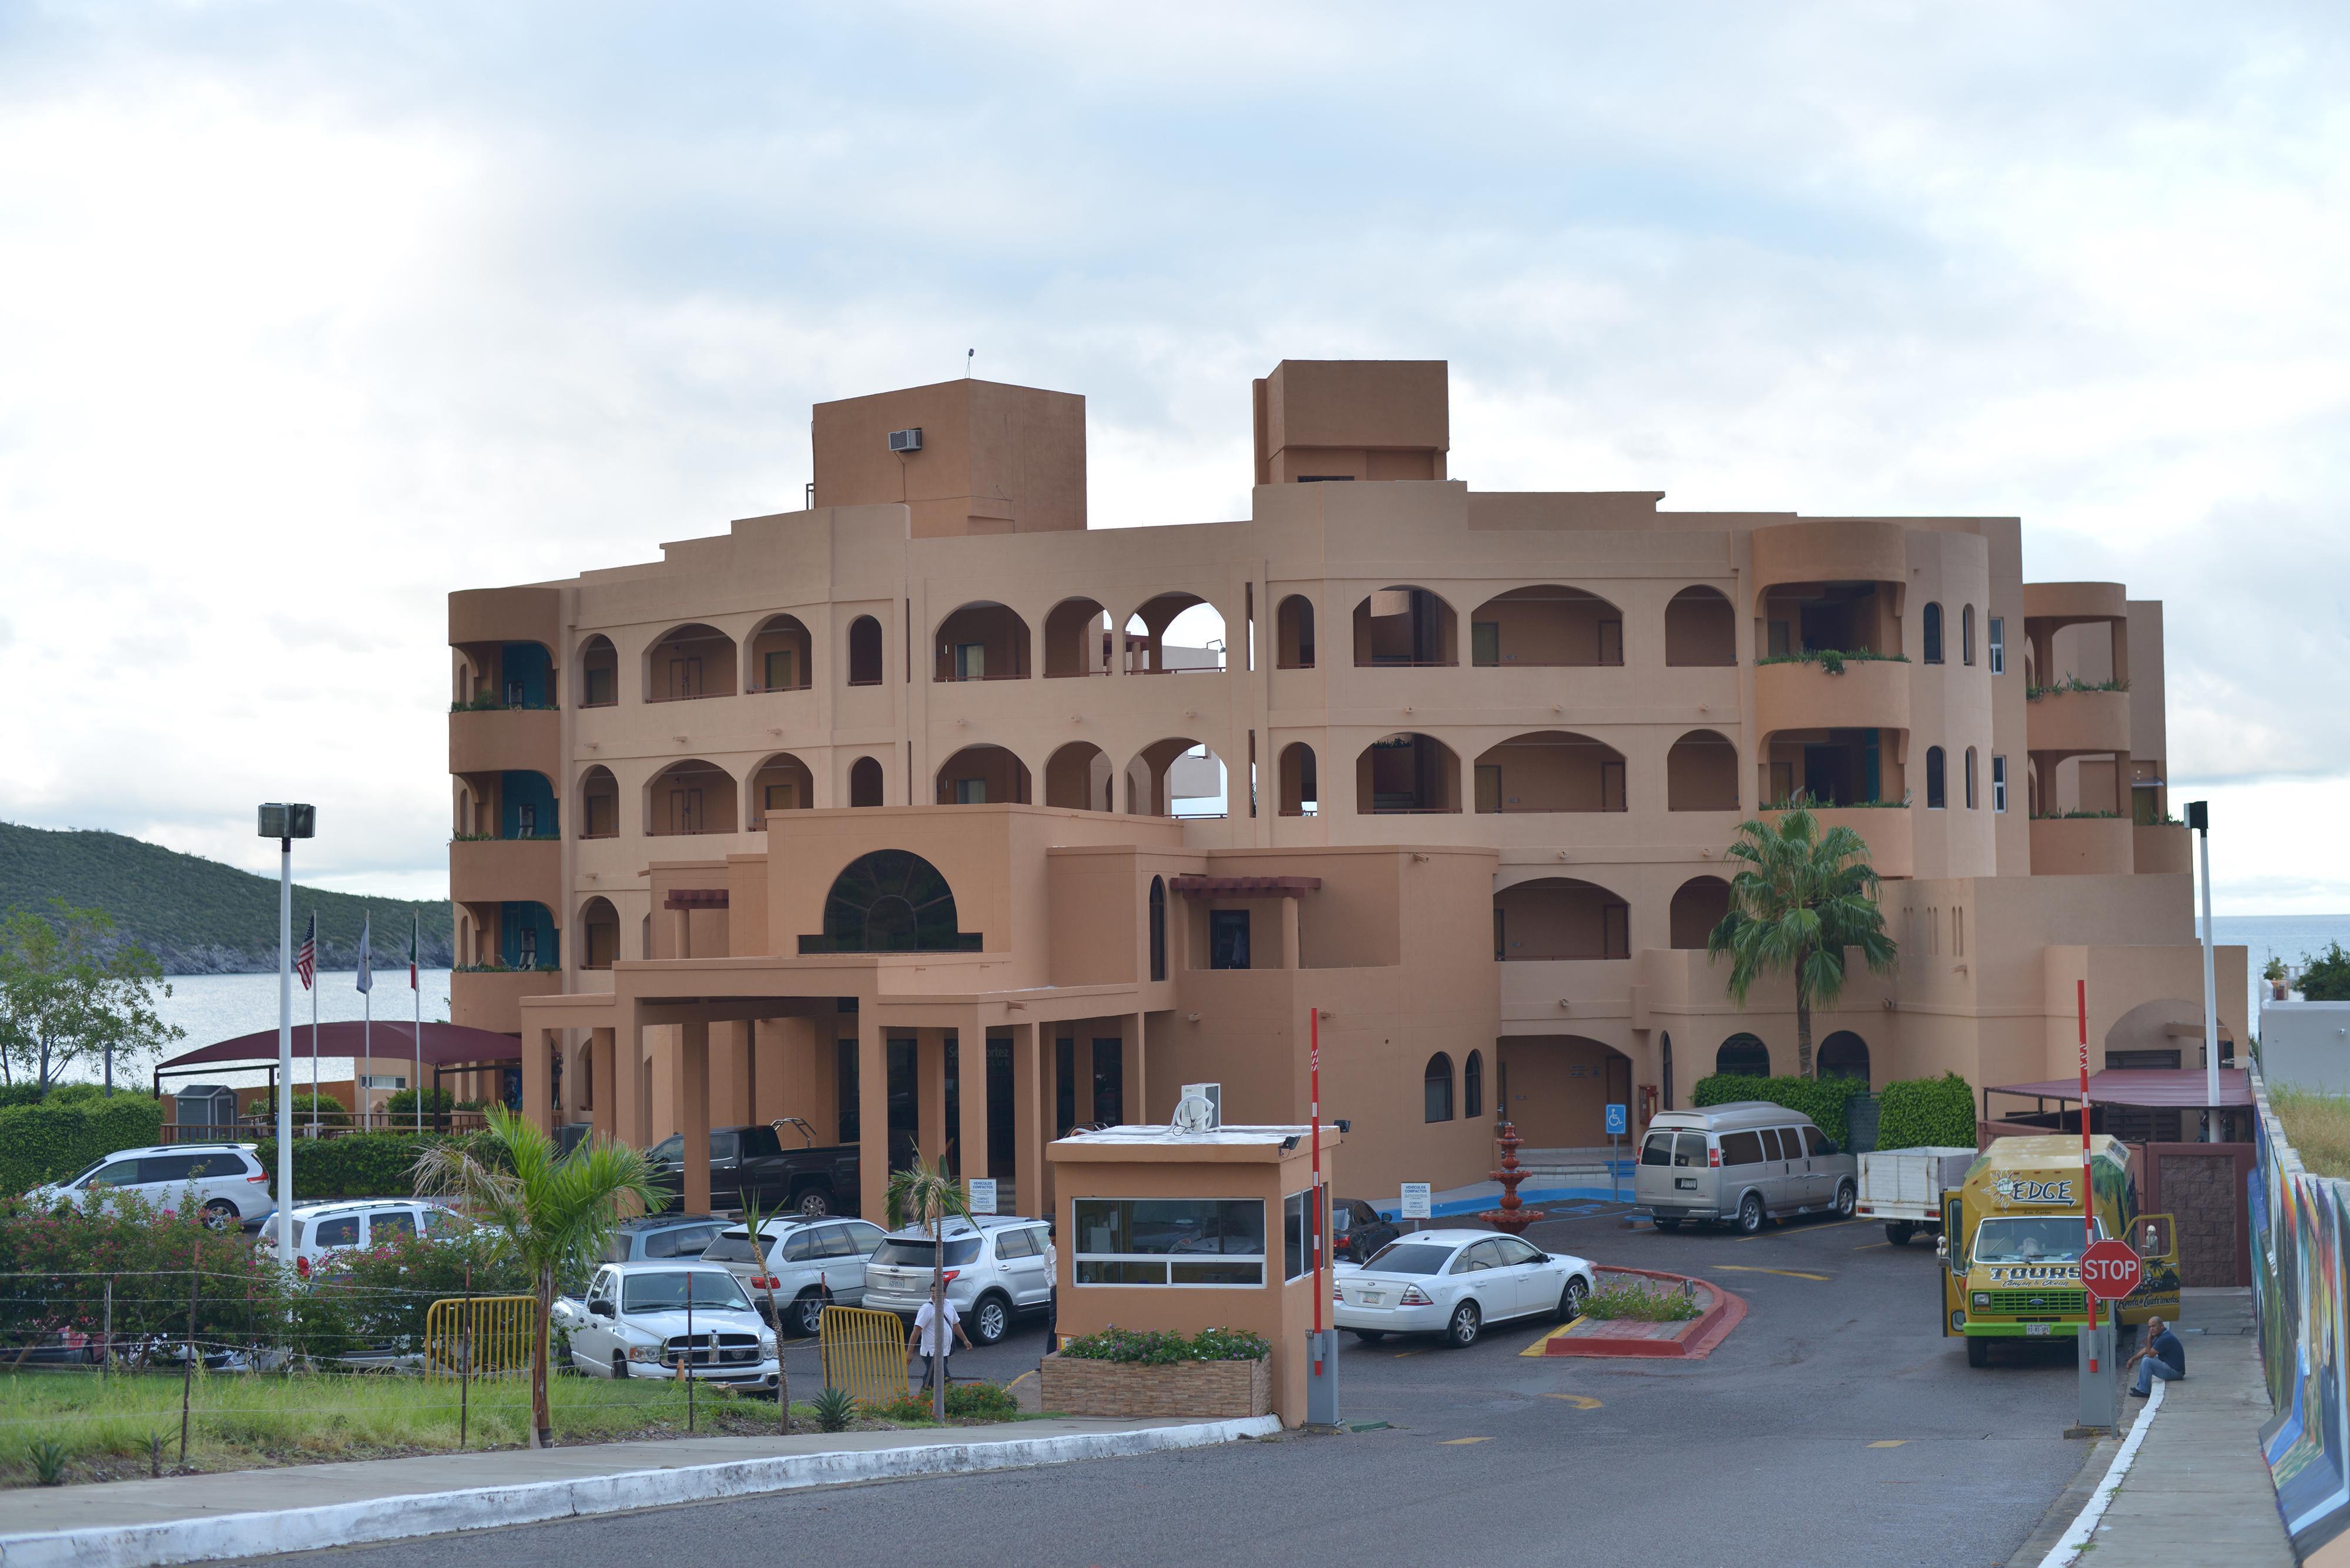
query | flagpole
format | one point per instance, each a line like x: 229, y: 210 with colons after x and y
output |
x: 416, y: 989
x: 313, y: 989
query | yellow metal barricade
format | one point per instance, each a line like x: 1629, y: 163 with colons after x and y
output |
x: 864, y: 1352
x: 492, y: 1335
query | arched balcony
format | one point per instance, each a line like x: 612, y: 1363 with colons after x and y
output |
x: 690, y: 661
x: 1702, y: 773
x: 1293, y: 633
x: 1699, y: 904
x: 1076, y: 638
x: 1559, y: 918
x: 1700, y: 629
x: 1178, y: 777
x: 1175, y: 633
x: 1834, y: 767
x: 981, y: 641
x: 1800, y: 618
x: 865, y: 782
x: 503, y: 675
x: 600, y: 934
x: 690, y: 796
x: 1406, y: 774
x: 865, y: 662
x: 599, y: 673
x: 1550, y: 771
x: 1545, y: 626
x: 1079, y: 777
x: 782, y: 783
x: 781, y: 656
x: 1301, y: 783
x: 508, y: 934
x: 983, y: 775
x: 599, y: 804
x: 1405, y: 626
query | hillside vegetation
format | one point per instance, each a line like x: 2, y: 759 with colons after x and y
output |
x: 198, y: 916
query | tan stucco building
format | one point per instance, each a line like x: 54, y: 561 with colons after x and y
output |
x: 792, y: 820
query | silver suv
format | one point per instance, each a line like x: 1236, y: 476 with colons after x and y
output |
x: 229, y: 1185
x: 1001, y: 1266
x: 804, y: 1262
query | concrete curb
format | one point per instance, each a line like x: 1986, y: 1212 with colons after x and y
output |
x: 1696, y: 1340
x: 204, y: 1540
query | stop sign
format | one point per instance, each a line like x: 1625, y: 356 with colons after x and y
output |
x: 2110, y: 1270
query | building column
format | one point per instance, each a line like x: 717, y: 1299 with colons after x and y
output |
x: 732, y: 1073
x: 1032, y: 1110
x: 631, y: 1113
x: 538, y: 1048
x: 690, y: 1098
x: 1135, y: 1108
x: 971, y: 1076
x: 930, y: 1093
x: 599, y: 1081
x: 872, y: 1117
x: 1081, y: 1068
x: 1291, y: 921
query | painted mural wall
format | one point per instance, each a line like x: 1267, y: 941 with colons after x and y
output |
x: 2299, y: 1221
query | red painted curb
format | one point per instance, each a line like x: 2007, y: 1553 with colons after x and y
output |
x: 1705, y: 1334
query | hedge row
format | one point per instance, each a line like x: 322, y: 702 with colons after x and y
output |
x: 1822, y: 1099
x: 57, y: 1138
x: 1918, y: 1112
x: 363, y: 1165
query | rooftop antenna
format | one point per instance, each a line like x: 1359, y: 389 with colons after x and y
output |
x: 967, y: 355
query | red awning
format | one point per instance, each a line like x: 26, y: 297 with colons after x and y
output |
x: 1232, y: 887
x: 2158, y: 1088
x: 445, y: 1045
x: 695, y: 898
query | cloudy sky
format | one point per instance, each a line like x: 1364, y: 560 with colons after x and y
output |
x: 312, y: 313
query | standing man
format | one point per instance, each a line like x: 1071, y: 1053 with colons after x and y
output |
x: 926, y: 1339
x: 2163, y: 1356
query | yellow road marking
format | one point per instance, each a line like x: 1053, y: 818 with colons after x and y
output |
x: 1456, y: 1442
x: 1790, y: 1274
x: 1872, y: 1246
x: 1401, y: 1353
x: 1019, y: 1380
x: 1580, y: 1401
x: 1536, y: 1347
x: 1890, y: 1443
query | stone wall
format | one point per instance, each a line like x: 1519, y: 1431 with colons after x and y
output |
x: 1186, y: 1391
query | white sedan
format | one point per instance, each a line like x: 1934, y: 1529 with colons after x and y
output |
x: 658, y: 1320
x: 1453, y: 1283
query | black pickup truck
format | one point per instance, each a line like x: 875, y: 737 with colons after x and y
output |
x: 808, y: 1179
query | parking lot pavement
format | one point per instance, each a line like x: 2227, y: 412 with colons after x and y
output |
x: 1836, y: 1428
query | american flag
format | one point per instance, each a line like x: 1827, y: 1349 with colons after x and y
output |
x: 305, y: 962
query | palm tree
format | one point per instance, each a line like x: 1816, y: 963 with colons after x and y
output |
x: 1800, y: 899
x: 553, y: 1212
x: 754, y: 1220
x: 926, y: 1195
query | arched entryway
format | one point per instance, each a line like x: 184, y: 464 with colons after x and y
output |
x: 891, y: 900
x: 983, y: 775
x: 1844, y: 1054
x: 1078, y: 777
x: 1556, y: 1088
x: 1699, y: 906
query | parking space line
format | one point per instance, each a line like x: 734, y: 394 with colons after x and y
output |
x: 1015, y: 1382
x: 1872, y: 1246
x: 1782, y: 1231
x: 1890, y: 1443
x: 1457, y: 1442
x: 1790, y: 1274
x: 1580, y: 1401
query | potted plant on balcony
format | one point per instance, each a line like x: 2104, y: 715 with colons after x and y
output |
x: 2277, y: 977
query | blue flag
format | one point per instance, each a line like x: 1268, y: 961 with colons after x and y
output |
x: 367, y: 939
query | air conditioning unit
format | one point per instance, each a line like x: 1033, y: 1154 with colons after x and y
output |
x: 906, y: 439
x: 1214, y: 1094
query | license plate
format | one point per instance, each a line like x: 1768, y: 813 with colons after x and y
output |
x: 2036, y: 1330
x: 1685, y: 1183
x: 1371, y: 1298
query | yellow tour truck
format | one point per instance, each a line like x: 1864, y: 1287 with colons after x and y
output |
x: 2011, y: 1243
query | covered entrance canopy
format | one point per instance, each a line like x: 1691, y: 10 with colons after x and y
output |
x: 2150, y: 1088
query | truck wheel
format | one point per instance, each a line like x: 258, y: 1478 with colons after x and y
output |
x: 1749, y: 1215
x: 1898, y: 1232
x: 1978, y: 1353
x: 814, y: 1203
x: 1845, y: 1200
x: 619, y: 1367
x: 989, y: 1320
x: 806, y: 1313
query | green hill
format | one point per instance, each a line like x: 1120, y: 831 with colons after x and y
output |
x: 199, y: 915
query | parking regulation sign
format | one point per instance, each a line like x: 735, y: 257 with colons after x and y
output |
x: 1616, y: 1123
x: 2110, y: 1270
x: 982, y: 1195
x: 1415, y: 1201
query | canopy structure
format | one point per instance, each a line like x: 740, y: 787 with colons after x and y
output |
x: 2143, y: 1089
x: 443, y: 1045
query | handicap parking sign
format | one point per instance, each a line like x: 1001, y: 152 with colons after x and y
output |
x: 1615, y: 1121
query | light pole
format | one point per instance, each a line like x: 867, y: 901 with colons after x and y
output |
x: 286, y: 823
x: 2198, y: 822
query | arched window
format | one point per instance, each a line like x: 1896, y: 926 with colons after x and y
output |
x: 1159, y: 927
x: 864, y: 652
x: 1700, y: 628
x: 1844, y: 1054
x: 1745, y: 1055
x: 1702, y: 773
x: 890, y: 901
x: 1300, y: 786
x: 865, y: 782
x: 1970, y: 778
x: 1936, y: 792
x: 1294, y: 633
x: 600, y: 928
x: 1967, y: 635
x: 599, y: 673
x: 1665, y: 1051
x: 1436, y: 1089
x: 690, y: 661
x: 1933, y: 633
x: 1473, y: 1085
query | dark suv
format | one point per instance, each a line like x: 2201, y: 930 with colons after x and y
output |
x: 1358, y: 1230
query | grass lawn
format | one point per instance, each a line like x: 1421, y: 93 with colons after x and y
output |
x: 2318, y: 1127
x: 245, y: 1420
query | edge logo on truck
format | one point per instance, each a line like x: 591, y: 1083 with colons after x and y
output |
x: 2018, y: 1189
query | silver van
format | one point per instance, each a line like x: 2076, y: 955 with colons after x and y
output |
x: 1740, y: 1162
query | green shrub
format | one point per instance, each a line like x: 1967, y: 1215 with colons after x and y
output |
x: 403, y: 1102
x: 835, y: 1409
x: 965, y: 1401
x: 1641, y: 1301
x: 1164, y: 1348
x: 74, y: 1128
x: 1822, y: 1099
x: 364, y: 1165
x: 2326, y: 977
x: 1918, y: 1112
x: 382, y: 1293
x: 332, y: 1112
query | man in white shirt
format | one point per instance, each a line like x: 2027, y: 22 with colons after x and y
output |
x: 924, y: 1338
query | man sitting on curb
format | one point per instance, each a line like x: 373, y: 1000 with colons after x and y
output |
x: 2163, y: 1356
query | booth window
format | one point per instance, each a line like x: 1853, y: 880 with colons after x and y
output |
x: 1296, y: 1235
x: 1172, y: 1242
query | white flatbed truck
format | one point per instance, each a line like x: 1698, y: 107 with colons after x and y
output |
x: 1904, y: 1187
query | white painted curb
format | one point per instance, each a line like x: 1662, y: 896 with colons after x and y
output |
x: 2069, y: 1545
x: 435, y: 1513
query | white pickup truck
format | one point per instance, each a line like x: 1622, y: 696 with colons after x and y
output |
x: 1904, y: 1186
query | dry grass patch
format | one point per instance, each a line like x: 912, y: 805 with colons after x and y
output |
x: 2318, y: 1127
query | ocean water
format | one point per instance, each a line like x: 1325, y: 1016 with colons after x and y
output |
x: 2288, y: 936
x: 212, y: 1007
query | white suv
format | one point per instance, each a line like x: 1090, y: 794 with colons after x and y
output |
x: 231, y: 1188
x: 807, y: 1263
x: 1001, y: 1266
x: 323, y: 1229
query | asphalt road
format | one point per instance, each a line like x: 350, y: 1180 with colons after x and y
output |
x: 1835, y: 1427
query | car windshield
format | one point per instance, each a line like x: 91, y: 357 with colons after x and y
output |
x: 2051, y: 1239
x: 1408, y: 1258
x: 909, y: 1254
x: 661, y: 1292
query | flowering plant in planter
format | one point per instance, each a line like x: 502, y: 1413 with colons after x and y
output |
x: 1161, y: 1348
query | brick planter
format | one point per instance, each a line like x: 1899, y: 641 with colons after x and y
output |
x: 1186, y: 1391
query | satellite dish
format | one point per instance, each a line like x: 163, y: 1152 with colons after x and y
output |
x: 1195, y: 1114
